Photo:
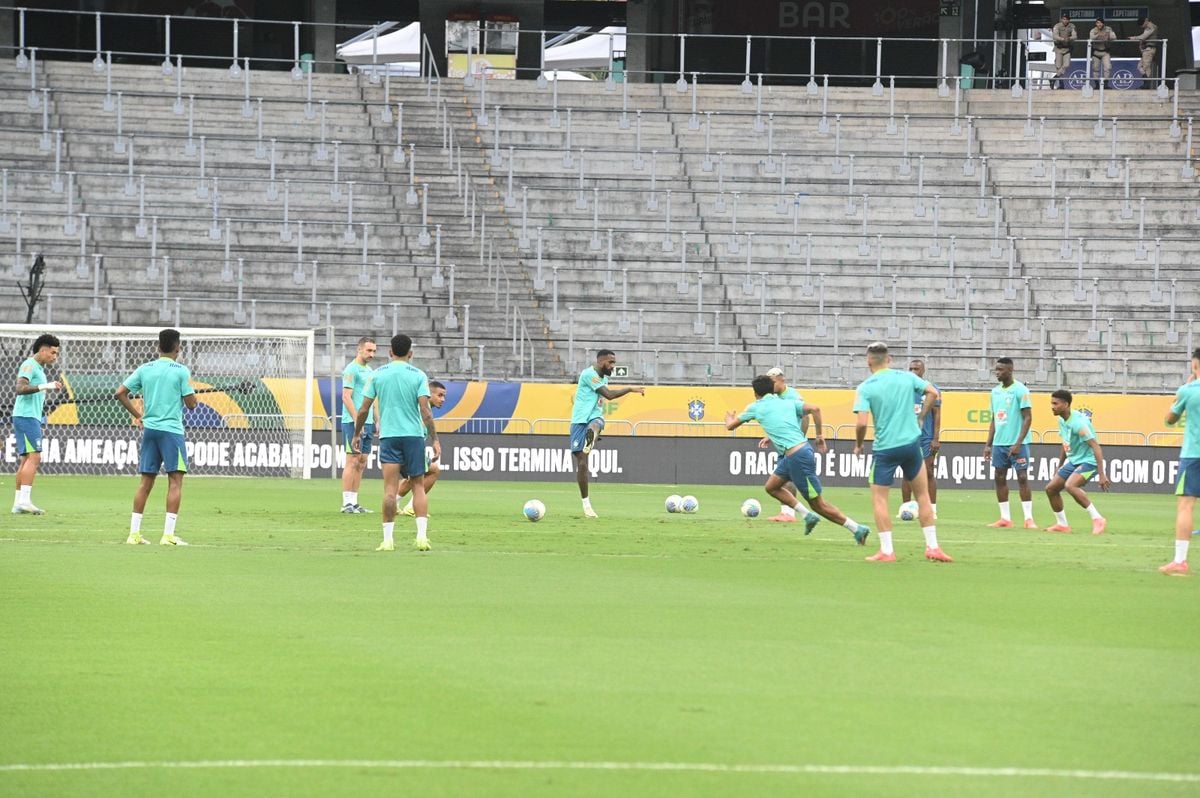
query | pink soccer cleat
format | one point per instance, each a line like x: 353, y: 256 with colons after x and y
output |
x: 1175, y: 569
x: 1058, y: 528
x: 937, y: 555
x: 881, y: 557
x: 1030, y: 523
x: 782, y: 518
x: 1001, y: 524
x: 1098, y: 525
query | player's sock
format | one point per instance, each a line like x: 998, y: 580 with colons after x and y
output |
x: 1181, y: 550
x: 23, y: 495
x: 1027, y: 509
x: 16, y: 497
x: 930, y: 536
x: 587, y: 504
x: 346, y: 497
x: 1005, y: 515
x: 885, y: 543
x: 388, y: 528
x: 1093, y: 512
x: 1060, y: 517
x: 783, y: 508
x: 169, y: 523
x: 135, y: 523
x: 851, y: 524
x: 934, y: 506
x: 422, y: 527
x: 353, y: 497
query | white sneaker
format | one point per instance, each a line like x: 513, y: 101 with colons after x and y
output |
x: 27, y: 508
x: 588, y: 512
x: 171, y: 540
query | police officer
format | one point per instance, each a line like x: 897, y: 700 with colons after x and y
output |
x: 1148, y: 41
x: 1064, y: 36
x: 1100, y: 36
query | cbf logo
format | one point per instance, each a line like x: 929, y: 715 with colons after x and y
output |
x: 696, y: 409
x: 1087, y: 412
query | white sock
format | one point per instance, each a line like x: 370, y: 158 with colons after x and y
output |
x: 1181, y: 548
x: 1060, y: 517
x: 353, y: 497
x: 587, y: 504
x: 851, y: 524
x: 135, y: 523
x: 422, y: 527
x: 16, y: 497
x: 934, y: 506
x: 169, y: 523
x: 930, y: 536
x: 1027, y: 509
x: 1005, y: 515
x: 23, y: 494
x: 885, y: 542
x: 1093, y: 512
x: 783, y: 508
x: 388, y: 528
x: 346, y: 497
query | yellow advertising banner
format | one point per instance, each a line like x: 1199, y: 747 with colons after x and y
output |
x: 497, y: 65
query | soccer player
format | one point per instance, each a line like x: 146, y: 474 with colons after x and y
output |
x: 780, y: 419
x: 402, y: 391
x: 787, y: 513
x: 437, y: 398
x: 887, y: 397
x: 1082, y: 459
x: 165, y: 387
x: 931, y: 434
x: 1187, y: 408
x: 1012, y: 415
x: 355, y: 377
x: 27, y: 414
x: 586, y: 418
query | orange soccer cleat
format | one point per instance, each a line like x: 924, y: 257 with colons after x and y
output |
x: 1175, y: 569
x: 881, y: 557
x: 1098, y: 525
x: 1058, y: 528
x: 937, y: 555
x: 782, y: 518
x: 1002, y: 523
x: 1030, y: 523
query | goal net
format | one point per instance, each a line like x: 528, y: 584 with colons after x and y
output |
x: 254, y: 389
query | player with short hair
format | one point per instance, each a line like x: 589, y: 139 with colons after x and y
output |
x: 931, y: 434
x: 1008, y: 431
x: 587, y: 420
x: 28, y: 414
x: 437, y: 398
x: 887, y: 398
x: 165, y: 388
x: 1082, y: 459
x: 780, y: 419
x: 355, y: 377
x: 402, y: 391
x: 787, y: 513
x: 1186, y: 408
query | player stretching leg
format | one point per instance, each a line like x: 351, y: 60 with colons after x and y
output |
x: 28, y: 410
x: 355, y: 377
x: 1187, y: 403
x: 587, y: 419
x: 931, y: 433
x: 1012, y: 416
x: 781, y: 420
x: 402, y: 391
x: 887, y: 396
x: 1082, y: 459
x: 437, y: 398
x: 162, y: 384
x: 787, y: 514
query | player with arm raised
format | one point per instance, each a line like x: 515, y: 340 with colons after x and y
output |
x: 355, y: 377
x: 437, y: 398
x: 784, y: 391
x: 1012, y: 416
x: 587, y: 419
x: 1082, y: 459
x: 27, y: 414
x: 1186, y: 408
x: 402, y: 391
x: 165, y: 388
x: 887, y: 398
x: 780, y: 419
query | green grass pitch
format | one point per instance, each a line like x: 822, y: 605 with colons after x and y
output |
x: 751, y: 654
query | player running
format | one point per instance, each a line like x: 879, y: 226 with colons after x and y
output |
x: 931, y: 435
x: 402, y: 391
x: 780, y: 419
x: 165, y: 388
x: 787, y: 514
x: 1012, y: 416
x: 355, y: 377
x: 887, y: 398
x: 28, y: 414
x: 1186, y: 408
x: 437, y: 398
x: 586, y: 418
x: 1082, y: 459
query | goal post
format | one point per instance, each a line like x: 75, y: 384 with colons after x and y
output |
x: 255, y: 414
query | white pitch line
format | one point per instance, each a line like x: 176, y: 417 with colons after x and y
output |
x: 660, y: 767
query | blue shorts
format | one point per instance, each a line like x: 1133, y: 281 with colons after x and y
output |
x: 907, y: 458
x: 29, y: 435
x: 579, y: 433
x: 408, y: 451
x: 161, y: 449
x: 1002, y: 460
x: 926, y: 448
x: 800, y: 468
x: 365, y: 439
x: 1189, y: 477
x: 1086, y: 470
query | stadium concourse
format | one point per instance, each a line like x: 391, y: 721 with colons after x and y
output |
x: 706, y: 234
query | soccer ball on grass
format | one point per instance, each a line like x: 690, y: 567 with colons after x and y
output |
x: 751, y: 508
x: 534, y: 510
x: 908, y: 511
x: 690, y: 504
x: 673, y: 503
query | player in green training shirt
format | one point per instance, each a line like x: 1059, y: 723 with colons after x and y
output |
x: 780, y: 419
x: 1186, y: 408
x: 787, y: 514
x: 1082, y: 459
x: 587, y: 419
x: 28, y: 415
x: 437, y: 398
x: 355, y: 377
x: 887, y: 398
x: 1012, y: 416
x: 165, y: 387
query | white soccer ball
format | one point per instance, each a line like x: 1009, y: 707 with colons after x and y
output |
x: 674, y: 501
x: 534, y: 510
x: 908, y: 511
x: 690, y: 504
x: 751, y: 508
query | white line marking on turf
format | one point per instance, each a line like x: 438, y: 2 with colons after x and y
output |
x: 661, y: 767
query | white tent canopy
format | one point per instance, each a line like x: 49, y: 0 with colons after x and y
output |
x: 398, y: 45
x: 590, y: 52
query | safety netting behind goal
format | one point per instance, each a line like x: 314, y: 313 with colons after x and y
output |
x: 254, y: 388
